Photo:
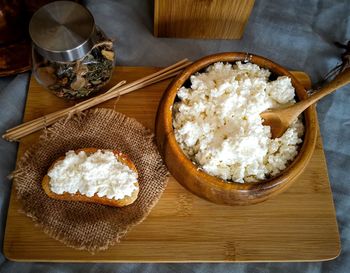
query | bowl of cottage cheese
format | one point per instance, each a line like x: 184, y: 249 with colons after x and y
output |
x: 211, y: 135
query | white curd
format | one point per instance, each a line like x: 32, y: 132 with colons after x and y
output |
x: 98, y: 173
x: 217, y: 122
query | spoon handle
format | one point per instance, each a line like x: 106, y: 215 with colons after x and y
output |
x: 342, y: 79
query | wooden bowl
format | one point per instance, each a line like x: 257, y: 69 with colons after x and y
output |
x: 210, y: 187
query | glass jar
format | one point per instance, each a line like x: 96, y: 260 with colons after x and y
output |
x: 71, y: 56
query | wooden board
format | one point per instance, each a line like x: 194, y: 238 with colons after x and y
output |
x: 210, y: 19
x: 297, y: 225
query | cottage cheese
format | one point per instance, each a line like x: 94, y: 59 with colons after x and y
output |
x: 99, y: 173
x: 217, y: 122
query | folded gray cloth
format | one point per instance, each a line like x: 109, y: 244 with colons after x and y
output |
x: 296, y: 34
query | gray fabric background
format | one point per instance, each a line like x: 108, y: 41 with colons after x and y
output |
x: 296, y: 34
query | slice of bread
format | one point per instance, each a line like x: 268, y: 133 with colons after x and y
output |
x: 127, y: 200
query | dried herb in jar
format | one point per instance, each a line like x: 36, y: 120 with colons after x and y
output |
x: 72, y: 56
x: 81, y: 78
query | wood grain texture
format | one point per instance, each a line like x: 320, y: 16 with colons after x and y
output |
x: 210, y: 187
x: 210, y: 19
x: 297, y: 225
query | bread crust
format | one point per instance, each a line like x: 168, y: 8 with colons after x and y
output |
x: 127, y: 200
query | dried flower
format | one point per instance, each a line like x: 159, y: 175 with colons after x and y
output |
x: 345, y: 63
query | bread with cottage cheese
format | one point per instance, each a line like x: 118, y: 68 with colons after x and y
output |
x: 127, y: 200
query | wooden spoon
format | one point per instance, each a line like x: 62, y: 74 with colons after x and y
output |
x: 280, y: 119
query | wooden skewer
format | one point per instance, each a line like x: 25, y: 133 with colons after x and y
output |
x: 44, y: 121
x: 155, y: 76
x: 121, y: 88
x: 51, y: 118
x: 57, y: 113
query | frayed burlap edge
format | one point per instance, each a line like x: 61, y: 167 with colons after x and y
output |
x: 51, y: 132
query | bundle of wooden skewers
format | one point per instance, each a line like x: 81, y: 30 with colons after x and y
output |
x: 24, y: 129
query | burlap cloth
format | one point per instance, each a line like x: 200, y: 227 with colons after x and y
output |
x: 82, y: 225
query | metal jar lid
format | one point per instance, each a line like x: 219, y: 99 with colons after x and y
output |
x: 62, y: 31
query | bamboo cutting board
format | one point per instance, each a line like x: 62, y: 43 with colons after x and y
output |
x: 297, y: 225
